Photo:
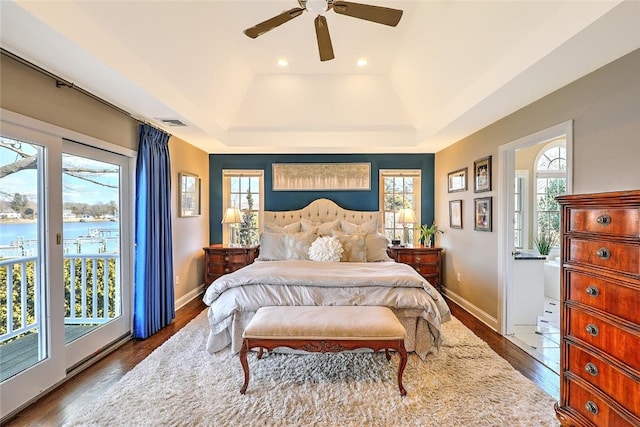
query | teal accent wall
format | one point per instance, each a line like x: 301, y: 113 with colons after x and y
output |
x: 290, y: 200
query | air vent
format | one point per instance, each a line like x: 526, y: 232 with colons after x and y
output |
x: 173, y: 122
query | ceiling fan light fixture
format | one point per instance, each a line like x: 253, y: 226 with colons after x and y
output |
x: 316, y: 7
x: 367, y: 12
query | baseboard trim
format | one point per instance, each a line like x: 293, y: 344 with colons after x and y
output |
x: 476, y: 312
x: 189, y: 296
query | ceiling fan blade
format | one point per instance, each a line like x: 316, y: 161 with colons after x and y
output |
x: 272, y: 23
x: 381, y: 15
x: 324, y: 40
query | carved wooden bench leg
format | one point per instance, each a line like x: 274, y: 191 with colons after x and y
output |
x: 245, y: 365
x: 403, y: 363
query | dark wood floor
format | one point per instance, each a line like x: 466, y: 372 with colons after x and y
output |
x: 81, y: 390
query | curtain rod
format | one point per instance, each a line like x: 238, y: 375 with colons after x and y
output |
x: 62, y: 82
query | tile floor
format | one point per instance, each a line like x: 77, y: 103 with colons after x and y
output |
x: 542, y: 341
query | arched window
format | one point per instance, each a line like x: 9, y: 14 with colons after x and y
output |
x: 551, y: 181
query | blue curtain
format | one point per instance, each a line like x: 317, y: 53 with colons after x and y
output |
x: 153, y: 300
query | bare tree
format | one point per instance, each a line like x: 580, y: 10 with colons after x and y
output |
x: 30, y: 161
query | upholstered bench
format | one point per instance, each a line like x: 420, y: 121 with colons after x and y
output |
x: 325, y: 329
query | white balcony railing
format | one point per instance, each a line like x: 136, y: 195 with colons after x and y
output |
x: 91, y: 292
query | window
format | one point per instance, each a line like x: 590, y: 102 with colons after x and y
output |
x: 243, y: 189
x: 520, y: 221
x: 551, y: 181
x: 400, y: 189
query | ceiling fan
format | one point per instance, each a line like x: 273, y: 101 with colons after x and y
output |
x: 378, y: 14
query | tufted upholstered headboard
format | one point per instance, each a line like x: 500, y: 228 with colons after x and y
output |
x: 322, y: 210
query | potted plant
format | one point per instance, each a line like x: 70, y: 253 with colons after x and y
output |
x: 426, y: 233
x: 544, y: 243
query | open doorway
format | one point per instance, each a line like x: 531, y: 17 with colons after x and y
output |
x: 533, y: 170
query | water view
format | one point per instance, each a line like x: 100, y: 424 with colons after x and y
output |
x: 91, y: 237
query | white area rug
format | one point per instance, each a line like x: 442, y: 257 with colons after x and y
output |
x: 465, y: 384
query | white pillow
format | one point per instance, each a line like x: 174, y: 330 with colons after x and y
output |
x: 272, y: 246
x: 370, y: 226
x: 289, y: 228
x: 377, y: 248
x: 296, y: 245
x: 323, y: 229
x: 326, y: 249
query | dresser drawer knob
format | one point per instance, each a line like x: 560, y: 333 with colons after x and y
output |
x: 604, y: 219
x: 226, y: 269
x: 592, y: 291
x: 591, y: 407
x: 591, y: 368
x: 418, y: 259
x: 592, y: 329
x: 603, y: 253
x: 226, y: 258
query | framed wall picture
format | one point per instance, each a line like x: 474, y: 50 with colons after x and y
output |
x: 457, y: 180
x: 455, y: 213
x: 482, y: 214
x: 189, y: 195
x: 321, y: 176
x: 482, y: 175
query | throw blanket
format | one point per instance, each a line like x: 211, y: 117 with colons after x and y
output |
x: 301, y: 282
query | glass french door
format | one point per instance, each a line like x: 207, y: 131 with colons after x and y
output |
x: 95, y: 236
x: 65, y: 251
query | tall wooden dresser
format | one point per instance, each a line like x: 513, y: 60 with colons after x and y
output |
x: 600, y: 316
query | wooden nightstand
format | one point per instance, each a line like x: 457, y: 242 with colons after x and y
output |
x: 221, y: 259
x: 426, y: 261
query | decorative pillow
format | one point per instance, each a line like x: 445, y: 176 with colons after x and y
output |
x: 323, y: 229
x: 272, y: 246
x: 296, y: 245
x: 377, y: 248
x: 354, y: 245
x: 370, y: 226
x: 289, y: 228
x: 306, y: 226
x: 326, y: 248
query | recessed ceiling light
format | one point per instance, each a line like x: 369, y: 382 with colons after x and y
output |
x: 283, y: 62
x: 362, y: 62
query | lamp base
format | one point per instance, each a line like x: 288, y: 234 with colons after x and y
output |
x: 405, y: 238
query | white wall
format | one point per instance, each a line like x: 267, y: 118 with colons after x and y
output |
x: 605, y: 107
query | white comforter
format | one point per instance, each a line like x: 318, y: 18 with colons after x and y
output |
x: 295, y: 282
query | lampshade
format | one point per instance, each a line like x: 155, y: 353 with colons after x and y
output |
x: 406, y: 216
x: 232, y: 216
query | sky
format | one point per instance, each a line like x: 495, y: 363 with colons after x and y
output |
x: 74, y: 189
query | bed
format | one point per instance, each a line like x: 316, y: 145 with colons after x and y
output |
x: 284, y: 274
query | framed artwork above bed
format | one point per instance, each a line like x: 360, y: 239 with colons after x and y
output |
x: 321, y: 176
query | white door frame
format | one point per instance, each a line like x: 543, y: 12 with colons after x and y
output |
x: 506, y: 176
